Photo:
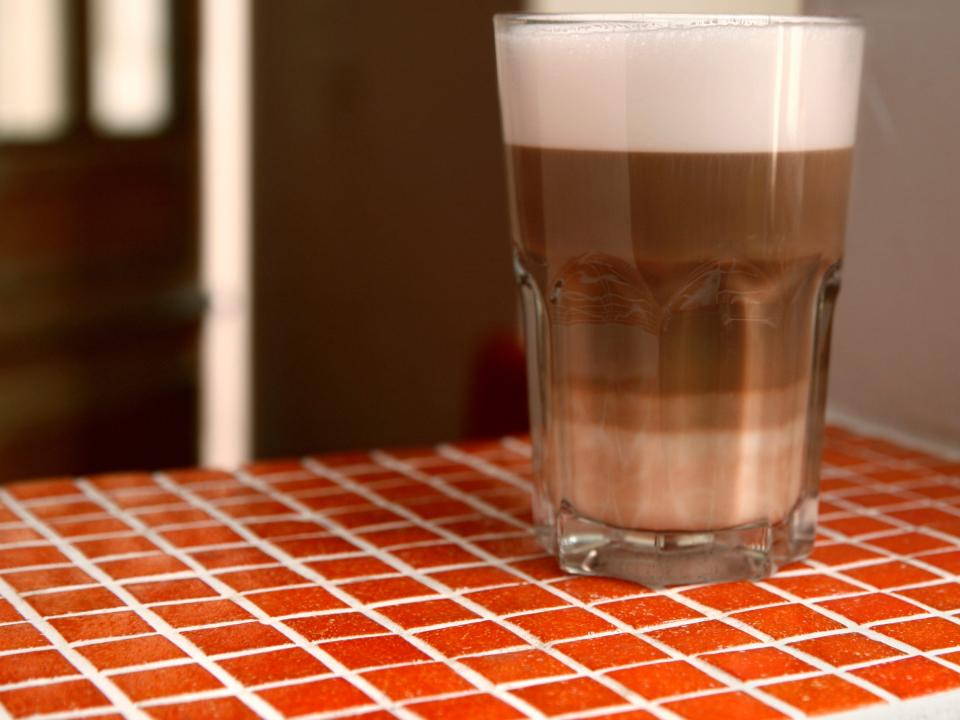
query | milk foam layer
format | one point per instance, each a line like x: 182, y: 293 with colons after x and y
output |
x: 681, y: 84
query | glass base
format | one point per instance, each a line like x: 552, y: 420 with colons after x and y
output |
x: 749, y: 552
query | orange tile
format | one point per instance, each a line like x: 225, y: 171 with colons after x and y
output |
x: 909, y: 543
x: 399, y: 536
x: 175, y: 516
x: 151, y: 499
x: 813, y: 586
x: 514, y: 666
x: 67, y: 509
x: 101, y: 625
x: 322, y: 546
x: 870, y: 608
x: 471, y: 638
x: 949, y: 561
x: 161, y: 682
x: 821, y: 695
x: 199, y: 537
x: 839, y: 459
x: 478, y: 528
x: 701, y: 637
x: 43, y: 488
x: 561, y: 624
x: 732, y: 596
x: 648, y: 611
x: 845, y: 649
x: 225, y: 708
x: 201, y: 613
x: 365, y: 518
x: 724, y: 706
x: 595, y: 589
x: 436, y: 556
x: 255, y: 509
x: 368, y: 652
x: 520, y: 598
x: 19, y: 533
x: 141, y: 566
x: 134, y: 651
x: 475, y: 578
x: 569, y: 696
x: 7, y: 613
x: 352, y: 567
x: 261, y: 578
x: 675, y: 677
x: 190, y: 476
x: 857, y: 525
x: 104, y: 526
x: 834, y: 484
x: 783, y: 621
x: 169, y: 590
x: 327, y: 503
x: 111, y: 482
x: 910, y: 677
x: 417, y: 681
x: 306, y: 484
x: 610, y: 651
x: 336, y: 625
x: 60, y: 697
x: 274, y: 466
x: 34, y: 555
x: 315, y: 697
x: 410, y: 490
x: 371, y: 591
x: 758, y: 664
x: 276, y: 529
x: 540, y: 568
x: 30, y: 580
x: 509, y: 548
x: 478, y: 707
x: 626, y: 715
x: 295, y: 600
x: 375, y: 477
x: 930, y: 517
x: 841, y: 554
x: 431, y: 612
x: 233, y: 638
x: 890, y: 574
x: 875, y: 499
x: 115, y: 546
x: 232, y: 557
x: 936, y: 491
x: 892, y: 475
x: 944, y: 596
x: 73, y: 601
x: 34, y: 666
x: 274, y: 666
x: 925, y: 633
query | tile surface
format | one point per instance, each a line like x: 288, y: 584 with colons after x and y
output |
x: 407, y: 584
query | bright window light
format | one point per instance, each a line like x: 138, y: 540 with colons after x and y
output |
x: 130, y: 65
x: 33, y: 97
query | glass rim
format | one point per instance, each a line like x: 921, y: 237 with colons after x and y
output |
x: 662, y: 20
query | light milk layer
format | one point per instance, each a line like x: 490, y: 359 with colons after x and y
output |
x: 682, y: 84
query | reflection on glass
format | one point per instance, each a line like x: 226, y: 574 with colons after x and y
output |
x: 130, y: 65
x: 33, y: 103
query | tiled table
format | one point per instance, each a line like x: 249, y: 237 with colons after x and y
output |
x: 406, y: 584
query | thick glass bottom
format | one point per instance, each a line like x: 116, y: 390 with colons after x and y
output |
x: 656, y: 558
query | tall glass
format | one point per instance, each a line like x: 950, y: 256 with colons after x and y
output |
x: 678, y: 190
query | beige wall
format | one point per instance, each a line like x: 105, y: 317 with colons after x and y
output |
x: 896, y: 355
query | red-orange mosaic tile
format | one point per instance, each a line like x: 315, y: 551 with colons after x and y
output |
x: 351, y: 567
x: 115, y: 546
x: 29, y: 556
x: 232, y: 557
x: 133, y: 651
x: 18, y: 533
x: 890, y: 574
x: 195, y: 614
x: 505, y: 601
x: 141, y: 566
x: 931, y: 518
x: 595, y: 589
x: 479, y: 707
x: 100, y: 625
x: 80, y: 528
x: 648, y: 611
x: 30, y: 580
x: 758, y: 663
x: 910, y: 677
x: 478, y: 527
x: 417, y: 681
x: 199, y: 537
x: 472, y: 638
x: 813, y: 586
x: 732, y: 596
x: 845, y: 649
x: 7, y: 613
x: 314, y: 697
x: 509, y: 548
x: 177, y: 516
x: 59, y: 697
x: 232, y: 638
x: 145, y: 500
x: 539, y: 568
x: 700, y: 637
x: 857, y: 525
x: 336, y: 625
x: 273, y: 666
x: 724, y: 706
x: 943, y: 596
x: 610, y: 651
x: 665, y: 679
x: 321, y: 503
x: 34, y: 666
x: 74, y: 601
x: 908, y: 543
x: 369, y: 652
x: 514, y: 666
x: 261, y: 578
x: 949, y: 561
x: 821, y: 695
x: 475, y: 578
x: 295, y: 600
x: 435, y: 556
x: 399, y: 536
x: 870, y: 608
x: 569, y: 696
x: 430, y: 612
x: 841, y: 554
x: 44, y: 488
x: 561, y: 624
x: 372, y: 591
x: 315, y: 546
x: 225, y: 708
x: 784, y: 621
x: 164, y: 681
x: 169, y: 590
x: 925, y: 633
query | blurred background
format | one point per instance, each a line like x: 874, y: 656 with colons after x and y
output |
x: 232, y: 228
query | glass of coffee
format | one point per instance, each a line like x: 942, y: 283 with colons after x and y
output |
x: 678, y: 188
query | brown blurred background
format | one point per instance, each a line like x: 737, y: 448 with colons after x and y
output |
x: 233, y: 229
